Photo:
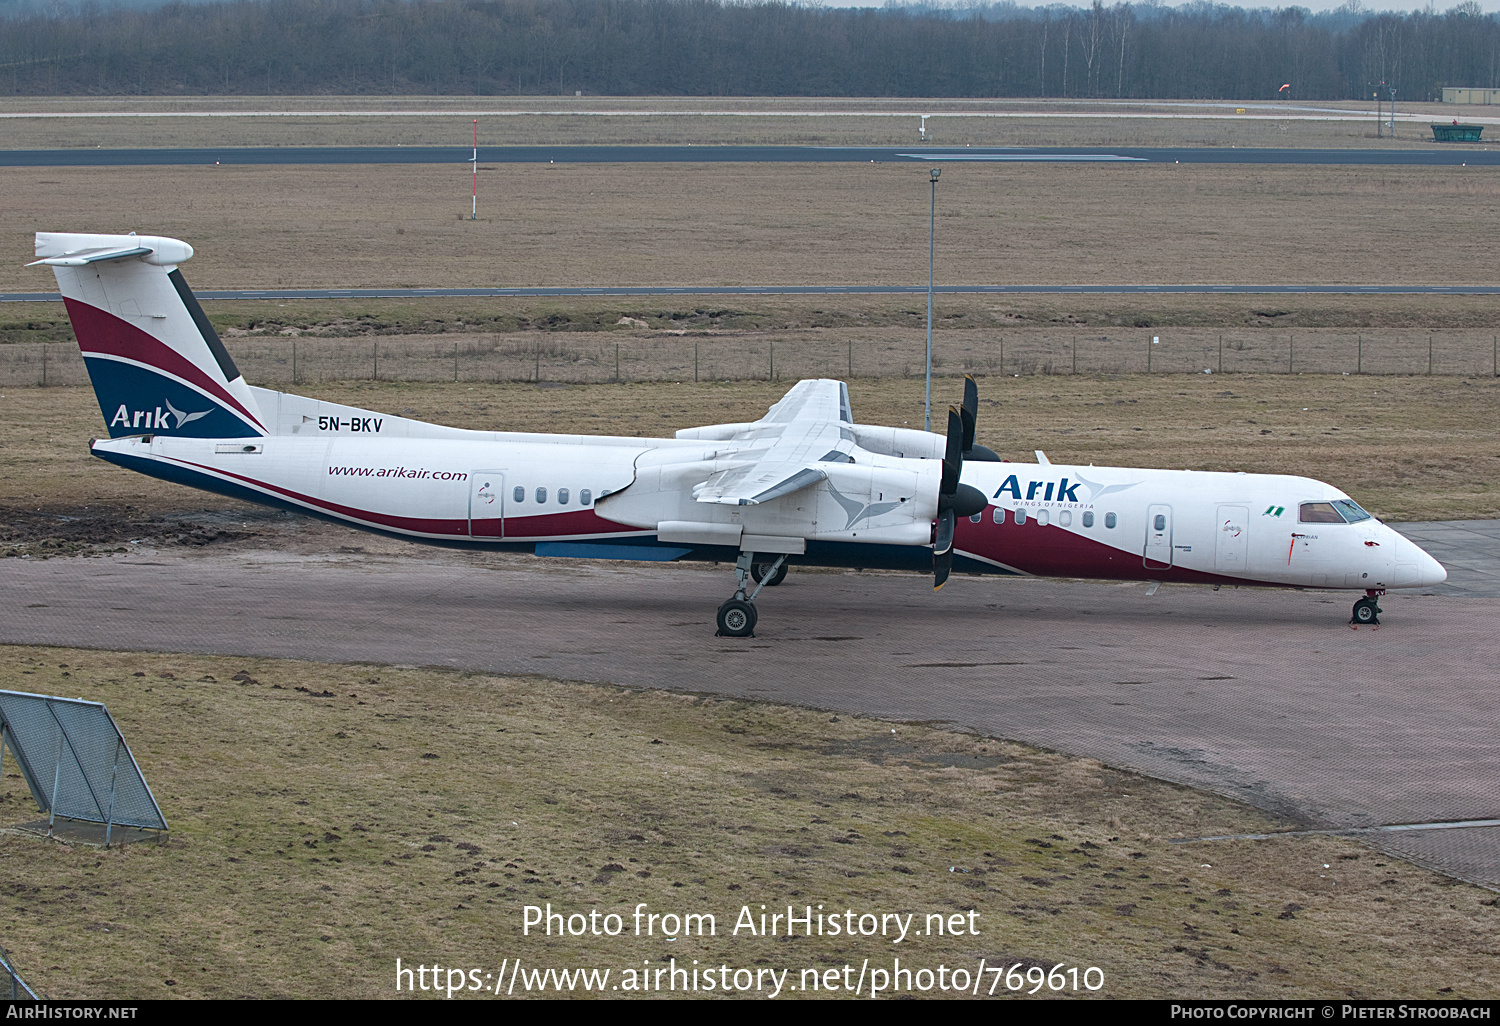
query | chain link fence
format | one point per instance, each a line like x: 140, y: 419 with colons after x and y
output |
x: 567, y: 358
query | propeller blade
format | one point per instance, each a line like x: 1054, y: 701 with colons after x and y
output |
x: 942, y: 566
x: 942, y: 550
x: 953, y: 460
x: 946, y: 522
x: 969, y: 411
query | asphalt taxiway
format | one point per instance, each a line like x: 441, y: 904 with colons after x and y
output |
x: 1437, y: 156
x: 1268, y: 696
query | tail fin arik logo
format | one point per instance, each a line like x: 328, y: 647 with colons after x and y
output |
x: 155, y: 420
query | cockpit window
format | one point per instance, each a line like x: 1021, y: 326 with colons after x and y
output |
x: 1352, y: 513
x: 1320, y: 513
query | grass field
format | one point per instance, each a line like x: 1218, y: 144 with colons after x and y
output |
x: 711, y: 225
x: 1406, y: 448
x: 448, y: 121
x: 329, y: 819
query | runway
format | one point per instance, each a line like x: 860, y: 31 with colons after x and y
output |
x: 1266, y: 696
x: 1437, y: 156
x: 816, y: 290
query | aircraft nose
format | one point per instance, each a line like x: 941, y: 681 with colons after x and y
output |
x: 1430, y: 571
x: 1414, y: 567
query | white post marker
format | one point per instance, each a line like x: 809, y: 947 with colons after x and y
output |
x: 474, y: 211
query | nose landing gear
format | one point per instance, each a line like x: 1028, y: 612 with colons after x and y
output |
x: 1367, y: 611
x: 737, y: 616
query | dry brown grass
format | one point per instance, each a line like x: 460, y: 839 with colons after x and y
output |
x: 329, y: 819
x: 1407, y: 448
x: 709, y: 225
x: 447, y: 121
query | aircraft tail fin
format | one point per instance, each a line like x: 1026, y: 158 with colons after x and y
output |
x: 156, y: 363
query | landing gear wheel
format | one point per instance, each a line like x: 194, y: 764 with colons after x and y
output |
x: 737, y: 619
x: 763, y: 574
x: 1366, y: 611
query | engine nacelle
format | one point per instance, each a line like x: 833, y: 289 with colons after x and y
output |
x: 903, y: 443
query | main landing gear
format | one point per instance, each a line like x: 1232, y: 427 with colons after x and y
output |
x: 737, y: 616
x: 767, y: 574
x: 1367, y: 610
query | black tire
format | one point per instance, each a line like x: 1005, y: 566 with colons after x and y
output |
x: 759, y: 571
x: 1366, y: 612
x: 736, y: 619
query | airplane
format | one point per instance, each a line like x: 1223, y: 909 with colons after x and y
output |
x: 805, y: 484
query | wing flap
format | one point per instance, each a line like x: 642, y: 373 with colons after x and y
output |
x: 755, y: 484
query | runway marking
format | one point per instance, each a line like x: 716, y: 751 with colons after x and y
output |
x: 1026, y: 157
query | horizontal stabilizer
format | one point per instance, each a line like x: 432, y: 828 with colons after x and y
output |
x: 92, y: 256
x: 74, y: 249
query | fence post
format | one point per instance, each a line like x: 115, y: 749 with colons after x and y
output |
x: 1148, y: 354
x: 1359, y: 359
x: 44, y: 365
x: 1290, y: 349
x: 375, y: 367
x: 294, y: 361
x: 455, y: 362
x: 851, y: 357
x: 536, y: 374
x: 1495, y: 356
x: 1075, y: 354
x: 1429, y: 354
x: 1221, y: 352
x: 617, y: 363
x: 109, y: 815
x: 695, y: 363
x: 1002, y: 354
x: 773, y: 363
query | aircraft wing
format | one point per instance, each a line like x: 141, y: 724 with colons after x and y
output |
x: 779, y: 454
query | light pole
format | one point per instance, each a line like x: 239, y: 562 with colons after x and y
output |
x: 931, y: 223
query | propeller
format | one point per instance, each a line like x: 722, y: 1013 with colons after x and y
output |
x: 954, y: 498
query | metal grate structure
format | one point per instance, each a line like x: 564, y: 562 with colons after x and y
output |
x: 11, y: 980
x: 76, y: 761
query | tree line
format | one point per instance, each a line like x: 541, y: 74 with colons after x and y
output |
x: 716, y: 48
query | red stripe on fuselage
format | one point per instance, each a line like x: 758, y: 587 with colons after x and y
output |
x: 573, y: 523
x: 99, y: 331
x: 1053, y: 551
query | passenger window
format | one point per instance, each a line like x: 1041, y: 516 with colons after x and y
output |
x: 1319, y: 513
x: 1088, y: 519
x: 976, y: 518
x: 1160, y: 523
x: 1065, y: 519
x: 1020, y: 517
x: 1109, y: 520
x: 1042, y: 517
x: 519, y: 494
x: 541, y: 495
x: 562, y: 496
x: 585, y: 497
x: 998, y: 516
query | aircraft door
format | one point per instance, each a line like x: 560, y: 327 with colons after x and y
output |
x: 1232, y: 538
x: 487, y: 504
x: 1158, y: 537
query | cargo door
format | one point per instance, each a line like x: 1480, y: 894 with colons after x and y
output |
x: 1158, y: 537
x: 1232, y: 538
x: 487, y: 504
